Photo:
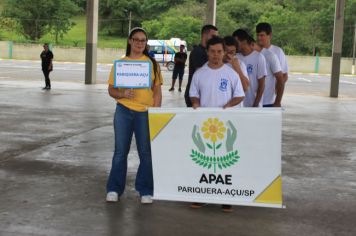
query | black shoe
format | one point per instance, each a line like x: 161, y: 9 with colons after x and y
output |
x: 227, y: 208
x: 45, y: 88
x: 179, y: 90
x: 171, y: 89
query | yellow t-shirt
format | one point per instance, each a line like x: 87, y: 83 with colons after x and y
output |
x: 143, y: 96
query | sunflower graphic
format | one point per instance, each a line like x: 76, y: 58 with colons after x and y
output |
x: 213, y: 129
x: 213, y: 133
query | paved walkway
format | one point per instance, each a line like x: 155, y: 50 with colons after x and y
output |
x: 56, y: 149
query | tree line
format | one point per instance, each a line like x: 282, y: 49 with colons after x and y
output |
x: 299, y: 26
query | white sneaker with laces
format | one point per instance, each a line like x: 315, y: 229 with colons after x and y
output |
x: 112, y: 197
x: 146, y: 199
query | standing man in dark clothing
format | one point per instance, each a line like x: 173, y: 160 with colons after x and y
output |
x: 179, y: 65
x: 198, y: 57
x: 47, y: 66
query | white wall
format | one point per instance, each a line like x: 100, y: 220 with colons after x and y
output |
x: 304, y: 64
x: 307, y: 64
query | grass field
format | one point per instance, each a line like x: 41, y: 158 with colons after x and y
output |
x: 74, y: 38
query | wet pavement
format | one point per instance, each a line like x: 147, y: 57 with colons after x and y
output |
x: 56, y: 148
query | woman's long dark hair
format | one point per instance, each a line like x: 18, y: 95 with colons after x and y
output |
x: 145, y: 52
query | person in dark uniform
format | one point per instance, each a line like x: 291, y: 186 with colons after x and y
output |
x: 47, y: 66
x: 198, y: 57
x: 179, y: 65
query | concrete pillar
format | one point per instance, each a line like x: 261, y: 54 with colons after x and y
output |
x: 337, y: 47
x: 211, y: 12
x: 353, y: 52
x: 129, y: 23
x: 92, y: 39
x: 11, y: 46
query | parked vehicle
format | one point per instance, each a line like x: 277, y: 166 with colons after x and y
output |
x: 164, y: 50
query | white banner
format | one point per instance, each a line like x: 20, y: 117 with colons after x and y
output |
x: 132, y: 74
x: 230, y: 156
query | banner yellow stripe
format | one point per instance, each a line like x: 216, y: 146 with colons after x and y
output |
x: 157, y: 121
x: 272, y: 194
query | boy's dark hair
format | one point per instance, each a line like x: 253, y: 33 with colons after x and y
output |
x: 230, y: 41
x: 215, y: 40
x: 242, y: 35
x: 264, y: 27
x: 207, y: 28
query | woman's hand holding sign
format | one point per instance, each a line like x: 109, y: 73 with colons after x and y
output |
x: 128, y: 93
x: 121, y: 93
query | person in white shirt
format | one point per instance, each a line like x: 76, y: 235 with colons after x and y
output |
x: 264, y: 37
x: 216, y: 84
x: 231, y: 60
x: 274, y: 73
x: 256, y: 68
x: 198, y: 57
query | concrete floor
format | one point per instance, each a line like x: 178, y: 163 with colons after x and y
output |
x: 56, y: 149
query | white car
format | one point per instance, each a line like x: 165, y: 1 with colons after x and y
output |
x: 164, y: 50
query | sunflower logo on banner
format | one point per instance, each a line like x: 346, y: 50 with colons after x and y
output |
x: 210, y: 152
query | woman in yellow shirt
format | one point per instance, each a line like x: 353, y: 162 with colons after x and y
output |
x: 131, y: 117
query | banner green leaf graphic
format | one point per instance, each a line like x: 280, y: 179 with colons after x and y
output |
x: 208, y: 161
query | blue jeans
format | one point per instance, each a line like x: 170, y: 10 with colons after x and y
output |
x: 127, y: 122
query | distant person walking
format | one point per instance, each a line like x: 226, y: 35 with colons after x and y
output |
x: 198, y: 57
x: 131, y: 117
x: 47, y: 64
x: 179, y: 65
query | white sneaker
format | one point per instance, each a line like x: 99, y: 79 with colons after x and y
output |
x: 112, y: 197
x: 147, y: 199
